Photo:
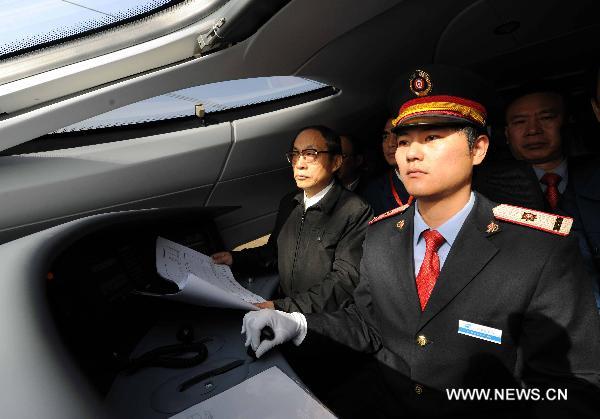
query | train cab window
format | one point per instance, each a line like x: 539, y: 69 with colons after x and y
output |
x: 42, y: 35
x: 37, y: 24
x: 50, y: 49
x: 192, y: 107
x: 210, y: 98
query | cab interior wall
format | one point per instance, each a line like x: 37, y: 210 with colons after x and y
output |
x: 187, y: 198
x: 30, y: 338
x: 51, y: 185
x: 551, y: 42
x: 202, y: 166
x: 369, y: 58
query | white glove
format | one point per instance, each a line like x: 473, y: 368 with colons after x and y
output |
x: 286, y: 327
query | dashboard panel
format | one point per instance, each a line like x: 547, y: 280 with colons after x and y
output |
x: 92, y: 286
x: 105, y: 349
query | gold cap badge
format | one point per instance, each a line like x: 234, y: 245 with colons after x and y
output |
x: 420, y: 83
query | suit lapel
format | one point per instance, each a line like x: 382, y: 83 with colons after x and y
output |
x: 535, y: 193
x: 470, y: 253
x: 401, y: 240
x: 584, y: 180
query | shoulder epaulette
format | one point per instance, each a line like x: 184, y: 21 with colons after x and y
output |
x: 551, y: 223
x: 389, y: 213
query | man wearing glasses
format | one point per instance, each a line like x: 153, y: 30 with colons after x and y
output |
x: 316, y: 244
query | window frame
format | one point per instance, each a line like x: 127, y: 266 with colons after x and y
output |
x: 45, y: 75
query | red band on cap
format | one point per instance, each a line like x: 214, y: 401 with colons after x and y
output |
x: 443, y: 98
x: 442, y: 106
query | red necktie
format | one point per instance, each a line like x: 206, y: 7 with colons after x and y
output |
x: 551, y: 180
x: 430, y: 268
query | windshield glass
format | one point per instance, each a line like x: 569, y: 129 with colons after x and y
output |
x: 214, y: 97
x: 29, y: 25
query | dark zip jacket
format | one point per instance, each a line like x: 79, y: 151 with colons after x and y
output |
x: 317, y: 252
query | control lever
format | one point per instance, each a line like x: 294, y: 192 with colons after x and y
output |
x: 265, y: 334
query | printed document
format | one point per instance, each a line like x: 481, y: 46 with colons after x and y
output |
x: 268, y: 395
x: 199, y: 279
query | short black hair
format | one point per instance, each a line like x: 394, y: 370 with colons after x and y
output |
x: 472, y: 132
x: 332, y: 139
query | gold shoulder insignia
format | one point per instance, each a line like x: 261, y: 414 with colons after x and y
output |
x: 552, y: 223
x: 388, y: 214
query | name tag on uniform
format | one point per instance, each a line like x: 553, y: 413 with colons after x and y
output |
x: 480, y: 332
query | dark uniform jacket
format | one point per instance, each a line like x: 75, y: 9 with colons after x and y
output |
x: 529, y: 284
x: 515, y: 182
x: 509, y: 181
x: 378, y: 193
x: 581, y: 201
x: 360, y: 187
x: 317, y: 253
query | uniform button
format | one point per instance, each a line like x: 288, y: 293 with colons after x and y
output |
x: 422, y: 340
x: 418, y: 389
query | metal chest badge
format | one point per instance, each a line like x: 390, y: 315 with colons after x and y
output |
x: 420, y: 83
x: 400, y: 225
x: 492, y: 227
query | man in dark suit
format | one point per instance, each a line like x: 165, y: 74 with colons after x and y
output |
x: 350, y: 173
x: 316, y: 244
x: 386, y: 191
x: 457, y: 292
x: 534, y: 130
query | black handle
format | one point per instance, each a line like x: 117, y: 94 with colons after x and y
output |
x: 265, y: 334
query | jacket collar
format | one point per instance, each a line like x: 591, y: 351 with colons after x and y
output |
x: 401, y: 241
x: 584, y: 175
x: 326, y: 203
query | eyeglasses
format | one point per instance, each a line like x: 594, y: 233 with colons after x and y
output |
x: 310, y: 155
